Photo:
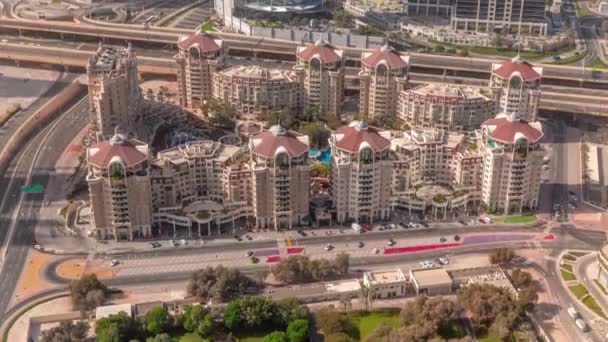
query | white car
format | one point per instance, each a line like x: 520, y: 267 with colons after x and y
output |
x: 114, y: 262
x: 328, y: 247
x: 444, y: 260
x: 37, y: 247
x: 375, y: 251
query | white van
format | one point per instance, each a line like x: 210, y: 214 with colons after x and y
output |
x: 581, y: 325
x: 356, y: 227
x: 573, y: 313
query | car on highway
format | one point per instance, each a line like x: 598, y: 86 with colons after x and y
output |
x: 485, y: 220
x: 155, y: 244
x: 360, y: 244
x: 463, y: 222
x: 444, y: 260
x: 114, y: 262
x: 253, y: 260
x: 571, y: 205
x: 456, y: 237
x: 426, y: 264
x: 329, y: 247
x: 390, y: 242
x: 442, y: 239
x: 38, y: 247
x: 301, y: 232
x: 375, y: 251
x: 250, y: 254
x: 556, y: 58
x: 237, y: 238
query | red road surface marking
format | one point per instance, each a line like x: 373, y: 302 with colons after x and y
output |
x: 272, y: 259
x: 549, y: 237
x: 295, y: 250
x: 418, y: 248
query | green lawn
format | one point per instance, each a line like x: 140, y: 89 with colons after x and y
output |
x: 597, y: 64
x: 567, y: 275
x: 189, y: 337
x: 488, y: 338
x: 569, y: 257
x: 578, y: 254
x: 208, y: 26
x: 366, y: 322
x: 570, y: 60
x: 567, y: 267
x: 516, y: 219
x: 592, y: 304
x: 579, y: 290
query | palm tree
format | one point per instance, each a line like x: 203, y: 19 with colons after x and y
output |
x: 345, y: 302
x: 367, y: 296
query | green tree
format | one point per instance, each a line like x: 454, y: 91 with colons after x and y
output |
x: 250, y: 313
x: 318, y: 135
x: 87, y: 293
x: 319, y: 169
x: 198, y: 319
x: 117, y: 328
x: 297, y: 330
x: 164, y: 337
x: 66, y: 331
x: 219, y: 283
x: 342, y: 263
x: 157, y: 320
x: 276, y: 336
x: 501, y: 255
x: 339, y: 337
x: 288, y: 310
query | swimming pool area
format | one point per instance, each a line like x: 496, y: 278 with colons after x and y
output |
x: 320, y: 155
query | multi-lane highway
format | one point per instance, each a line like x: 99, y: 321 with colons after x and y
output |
x: 20, y: 212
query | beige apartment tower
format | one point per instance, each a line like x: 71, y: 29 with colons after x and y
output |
x: 383, y: 76
x: 280, y: 180
x: 256, y: 90
x: 512, y: 160
x: 320, y: 68
x: 200, y: 56
x: 119, y: 188
x: 361, y: 173
x: 114, y: 94
x: 517, y: 84
x: 445, y: 106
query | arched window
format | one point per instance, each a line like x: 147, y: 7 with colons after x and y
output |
x: 116, y: 171
x: 521, y: 148
x: 366, y: 155
x: 515, y: 82
x: 315, y: 63
x: 282, y: 160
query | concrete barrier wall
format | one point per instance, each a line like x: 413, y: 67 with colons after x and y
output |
x: 40, y: 118
x: 67, y: 316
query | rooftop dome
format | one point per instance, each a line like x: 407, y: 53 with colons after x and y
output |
x: 278, y: 130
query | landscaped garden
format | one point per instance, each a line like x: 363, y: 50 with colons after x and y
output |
x: 516, y: 219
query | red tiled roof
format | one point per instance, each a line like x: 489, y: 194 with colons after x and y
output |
x: 327, y: 53
x: 101, y: 154
x: 525, y: 69
x: 391, y: 57
x: 352, y: 137
x: 248, y: 128
x: 205, y: 42
x: 505, y: 130
x: 267, y: 143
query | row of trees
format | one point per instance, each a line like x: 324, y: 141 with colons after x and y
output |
x: 219, y: 283
x: 87, y: 293
x: 300, y: 269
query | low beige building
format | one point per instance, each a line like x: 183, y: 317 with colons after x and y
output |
x: 431, y: 281
x: 445, y: 106
x: 361, y: 173
x: 255, y: 90
x: 280, y: 183
x: 118, y: 176
x: 386, y: 284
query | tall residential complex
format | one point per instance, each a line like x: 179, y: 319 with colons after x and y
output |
x: 361, y: 173
x: 114, y: 94
x: 517, y: 84
x: 200, y: 55
x: 512, y: 160
x: 383, y: 76
x: 320, y: 67
x: 280, y: 180
x: 119, y: 188
x: 525, y: 16
x: 254, y: 90
x: 445, y: 106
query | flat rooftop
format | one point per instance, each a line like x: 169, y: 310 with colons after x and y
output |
x: 431, y: 276
x: 385, y: 277
x: 348, y: 285
x: 107, y: 310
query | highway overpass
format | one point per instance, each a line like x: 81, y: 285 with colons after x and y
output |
x: 586, y: 101
x: 281, y: 49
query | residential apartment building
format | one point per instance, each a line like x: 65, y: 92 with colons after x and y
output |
x: 512, y: 160
x: 320, y: 68
x: 255, y: 90
x: 361, y: 173
x: 525, y: 16
x: 118, y: 176
x: 435, y: 169
x: 200, y: 56
x: 517, y: 85
x: 114, y: 94
x: 280, y: 182
x: 446, y: 106
x: 199, y: 183
x: 383, y: 76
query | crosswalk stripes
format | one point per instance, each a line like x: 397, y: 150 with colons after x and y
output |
x: 550, y: 258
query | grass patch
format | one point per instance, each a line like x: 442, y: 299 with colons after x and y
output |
x: 189, y: 337
x: 252, y: 337
x: 516, y: 219
x: 488, y: 338
x: 578, y: 254
x: 600, y: 286
x: 580, y: 11
x: 367, y: 322
x: 579, y: 290
x: 597, y: 64
x: 567, y: 275
x: 24, y: 310
x: 577, y: 57
x: 208, y: 26
x: 567, y: 267
x: 569, y: 257
x: 592, y: 304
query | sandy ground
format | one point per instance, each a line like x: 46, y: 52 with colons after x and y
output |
x: 155, y: 85
x: 20, y: 329
x: 75, y: 268
x: 595, y: 221
x: 22, y: 86
x: 30, y: 281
